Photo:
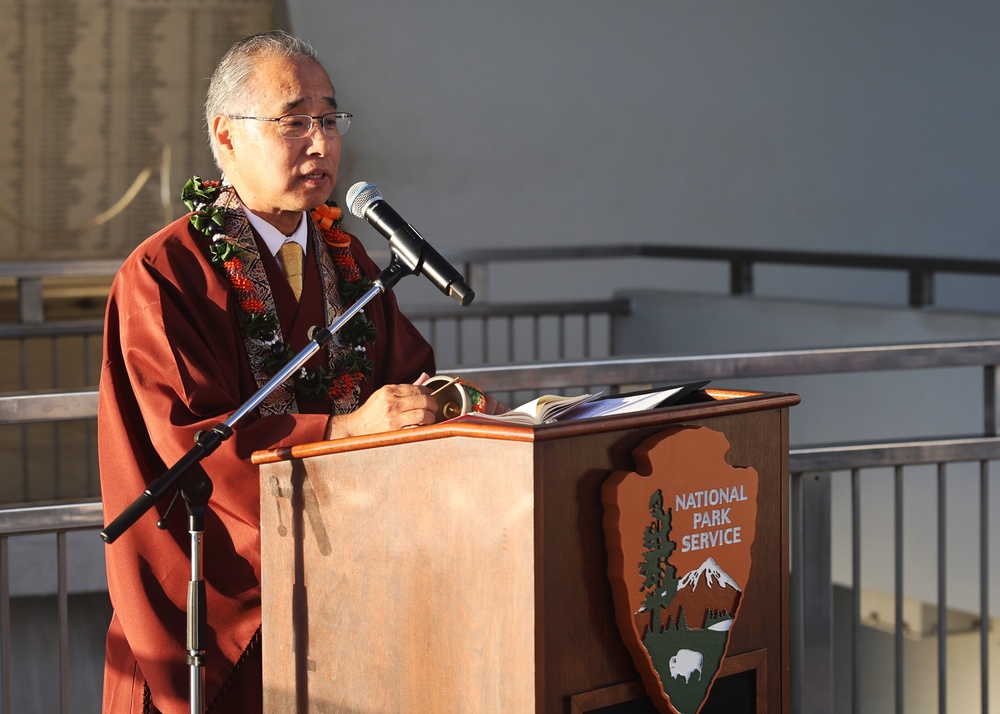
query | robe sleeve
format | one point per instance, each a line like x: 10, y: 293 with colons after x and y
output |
x: 175, y: 364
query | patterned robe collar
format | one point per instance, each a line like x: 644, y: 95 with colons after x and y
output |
x: 262, y: 346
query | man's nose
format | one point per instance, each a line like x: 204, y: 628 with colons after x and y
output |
x: 320, y: 143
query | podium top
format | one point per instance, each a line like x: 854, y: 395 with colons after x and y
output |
x: 723, y: 402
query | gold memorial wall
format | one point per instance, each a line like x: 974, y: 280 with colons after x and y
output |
x: 97, y: 96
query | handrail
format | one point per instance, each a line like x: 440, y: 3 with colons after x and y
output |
x: 630, y: 370
x: 614, y: 306
x: 51, y: 518
x: 898, y: 453
x: 643, y: 370
x: 62, y: 328
x: 528, y: 254
x: 94, y: 268
x: 878, y: 261
x: 920, y: 269
x: 48, y: 406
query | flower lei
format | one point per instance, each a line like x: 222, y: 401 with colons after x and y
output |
x: 348, y: 362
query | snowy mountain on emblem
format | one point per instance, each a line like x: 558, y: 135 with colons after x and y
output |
x: 704, y: 596
x: 710, y: 573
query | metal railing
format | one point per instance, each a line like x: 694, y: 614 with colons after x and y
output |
x: 29, y: 279
x: 811, y: 469
x: 45, y: 355
x: 921, y: 271
x: 509, y: 332
x: 49, y: 357
x: 58, y: 520
x: 56, y: 357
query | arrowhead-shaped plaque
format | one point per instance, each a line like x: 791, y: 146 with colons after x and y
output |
x: 679, y: 531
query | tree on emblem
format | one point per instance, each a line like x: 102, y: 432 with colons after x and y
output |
x: 659, y: 576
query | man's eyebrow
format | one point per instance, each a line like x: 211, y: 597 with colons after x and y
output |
x: 290, y: 106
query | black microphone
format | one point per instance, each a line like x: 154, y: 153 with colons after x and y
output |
x: 365, y: 201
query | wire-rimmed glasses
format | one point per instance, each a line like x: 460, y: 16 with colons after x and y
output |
x: 299, y: 126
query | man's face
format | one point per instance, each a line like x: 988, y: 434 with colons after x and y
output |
x: 275, y: 177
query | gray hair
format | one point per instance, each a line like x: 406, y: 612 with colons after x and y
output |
x: 231, y: 87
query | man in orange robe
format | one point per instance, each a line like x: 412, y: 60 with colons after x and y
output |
x: 196, y: 318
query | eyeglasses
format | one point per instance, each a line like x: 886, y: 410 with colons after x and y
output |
x: 299, y: 126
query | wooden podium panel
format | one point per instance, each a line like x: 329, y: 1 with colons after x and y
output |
x: 463, y: 568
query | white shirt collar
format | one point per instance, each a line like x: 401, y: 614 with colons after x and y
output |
x: 274, y: 238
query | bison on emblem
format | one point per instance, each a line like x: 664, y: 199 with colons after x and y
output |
x: 684, y: 663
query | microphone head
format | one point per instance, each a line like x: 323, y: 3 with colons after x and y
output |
x: 360, y: 196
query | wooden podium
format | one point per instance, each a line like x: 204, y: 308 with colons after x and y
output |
x: 462, y: 567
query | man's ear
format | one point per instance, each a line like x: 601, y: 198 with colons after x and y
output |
x: 222, y: 134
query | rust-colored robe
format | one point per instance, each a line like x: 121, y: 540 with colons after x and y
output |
x: 175, y: 363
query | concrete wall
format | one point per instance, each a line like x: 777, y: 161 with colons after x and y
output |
x: 920, y: 657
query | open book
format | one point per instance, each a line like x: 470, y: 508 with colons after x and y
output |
x: 546, y: 408
x: 550, y: 407
x: 635, y: 402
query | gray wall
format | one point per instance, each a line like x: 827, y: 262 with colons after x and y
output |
x: 819, y: 125
x: 921, y: 657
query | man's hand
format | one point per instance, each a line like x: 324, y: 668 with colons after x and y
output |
x: 392, y: 407
x: 493, y: 406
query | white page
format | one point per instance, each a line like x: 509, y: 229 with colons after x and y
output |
x: 619, y: 405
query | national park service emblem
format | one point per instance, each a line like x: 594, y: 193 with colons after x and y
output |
x: 679, y: 531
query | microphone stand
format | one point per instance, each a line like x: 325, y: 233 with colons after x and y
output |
x: 196, y: 489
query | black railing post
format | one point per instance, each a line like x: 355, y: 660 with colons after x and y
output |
x: 991, y: 401
x: 740, y: 277
x: 811, y: 594
x: 921, y: 288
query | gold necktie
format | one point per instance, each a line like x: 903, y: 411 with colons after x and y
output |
x: 290, y: 256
